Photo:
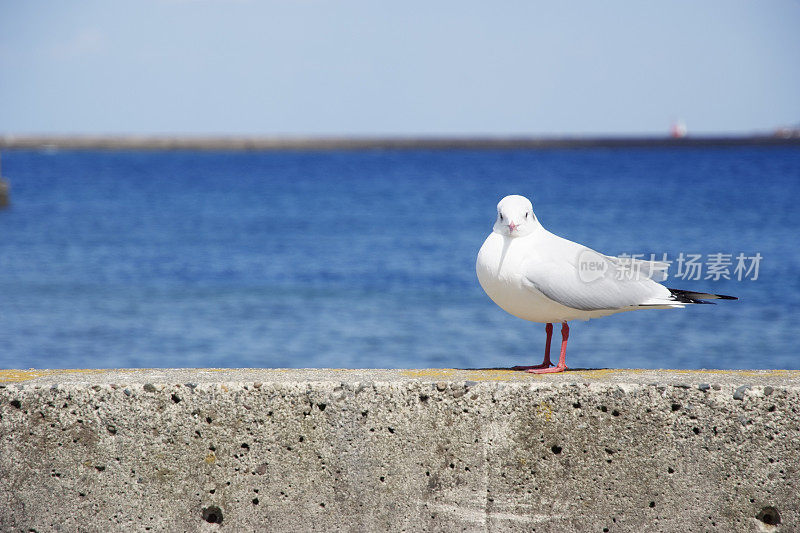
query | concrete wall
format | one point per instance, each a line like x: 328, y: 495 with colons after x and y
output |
x: 400, y: 450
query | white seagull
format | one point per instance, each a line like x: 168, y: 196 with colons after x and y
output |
x: 538, y: 276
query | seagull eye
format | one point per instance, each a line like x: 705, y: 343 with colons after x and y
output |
x: 526, y: 215
x: 501, y: 216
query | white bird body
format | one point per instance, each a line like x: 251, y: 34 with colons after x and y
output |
x: 511, y: 271
x: 541, y: 277
x: 500, y: 267
x: 537, y: 277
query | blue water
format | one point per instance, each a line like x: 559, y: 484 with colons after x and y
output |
x: 366, y: 259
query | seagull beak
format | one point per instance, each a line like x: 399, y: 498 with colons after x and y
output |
x: 512, y: 227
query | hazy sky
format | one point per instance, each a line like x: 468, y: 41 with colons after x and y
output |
x: 399, y: 68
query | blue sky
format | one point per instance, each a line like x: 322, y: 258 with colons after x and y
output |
x: 318, y: 67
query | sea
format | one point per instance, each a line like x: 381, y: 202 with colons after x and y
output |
x: 366, y: 259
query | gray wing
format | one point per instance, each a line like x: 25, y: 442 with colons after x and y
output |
x: 592, y: 283
x: 641, y: 268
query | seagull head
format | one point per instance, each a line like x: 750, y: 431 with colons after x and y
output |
x: 515, y: 216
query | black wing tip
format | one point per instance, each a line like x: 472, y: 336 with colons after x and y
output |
x: 726, y: 297
x: 693, y: 297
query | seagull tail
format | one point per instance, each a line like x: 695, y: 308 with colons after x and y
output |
x: 692, y: 297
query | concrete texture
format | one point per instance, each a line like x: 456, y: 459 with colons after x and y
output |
x: 399, y: 450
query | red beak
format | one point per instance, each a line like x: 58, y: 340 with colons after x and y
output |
x: 512, y: 227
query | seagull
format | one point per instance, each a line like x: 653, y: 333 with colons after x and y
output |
x: 541, y: 277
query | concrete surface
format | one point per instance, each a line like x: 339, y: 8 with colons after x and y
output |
x: 399, y: 450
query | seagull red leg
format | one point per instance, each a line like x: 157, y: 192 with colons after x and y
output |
x: 546, y: 363
x: 562, y: 359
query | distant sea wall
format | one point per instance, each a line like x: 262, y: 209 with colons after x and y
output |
x: 399, y: 450
x: 11, y: 142
x: 4, y: 190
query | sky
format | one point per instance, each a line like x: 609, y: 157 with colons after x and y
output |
x: 365, y: 67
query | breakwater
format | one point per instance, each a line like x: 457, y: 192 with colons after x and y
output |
x: 11, y: 142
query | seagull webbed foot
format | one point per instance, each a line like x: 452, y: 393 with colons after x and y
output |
x: 553, y: 370
x: 548, y: 364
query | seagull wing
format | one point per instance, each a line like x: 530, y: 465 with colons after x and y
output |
x: 655, y: 270
x: 607, y: 285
